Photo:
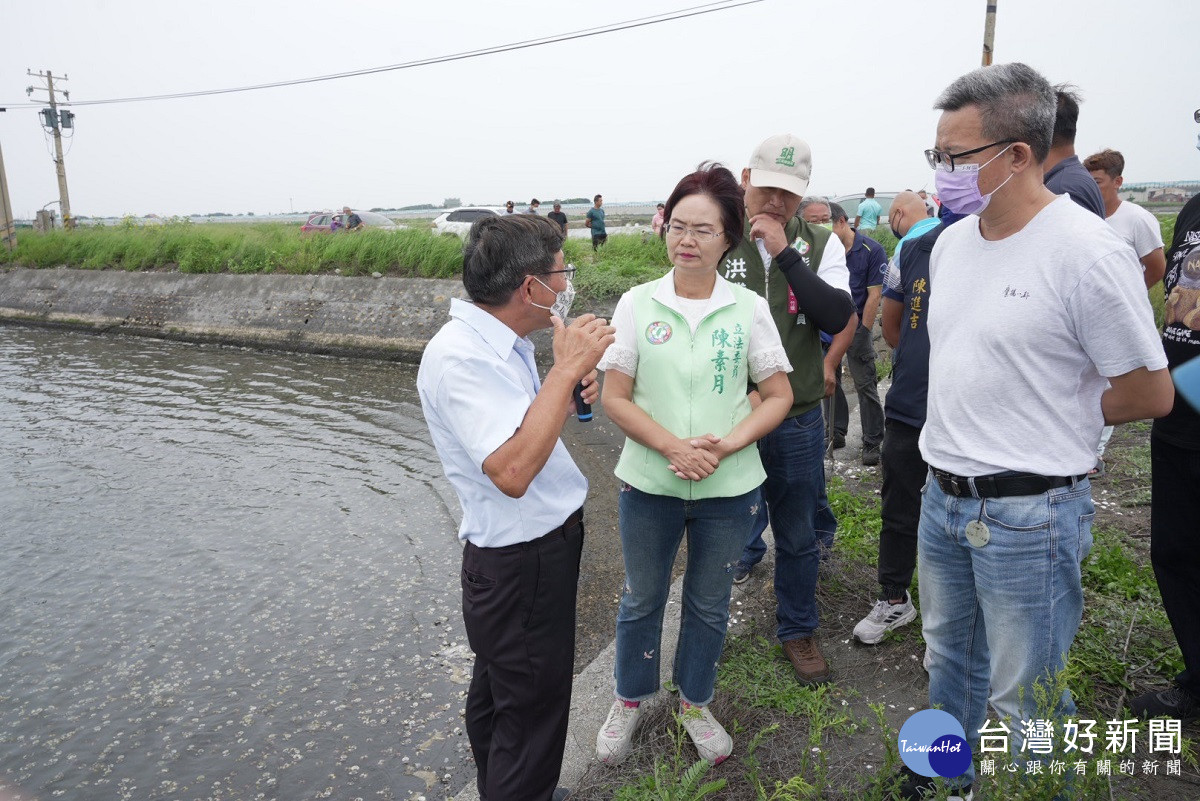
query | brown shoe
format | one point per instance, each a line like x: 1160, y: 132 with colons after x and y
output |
x: 806, y: 659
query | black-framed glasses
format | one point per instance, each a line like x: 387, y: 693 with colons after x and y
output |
x: 940, y: 159
x: 679, y: 231
x: 569, y: 271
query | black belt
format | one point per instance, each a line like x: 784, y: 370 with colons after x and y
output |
x: 573, y: 521
x: 1000, y: 485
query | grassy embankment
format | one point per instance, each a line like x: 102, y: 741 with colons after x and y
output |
x: 280, y: 248
x: 277, y: 248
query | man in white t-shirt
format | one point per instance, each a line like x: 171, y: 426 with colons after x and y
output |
x: 1042, y: 333
x: 1136, y: 226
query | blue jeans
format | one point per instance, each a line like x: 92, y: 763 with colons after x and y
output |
x: 794, y: 494
x: 652, y: 526
x: 1000, y: 617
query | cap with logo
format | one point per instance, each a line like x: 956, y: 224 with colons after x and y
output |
x: 783, y: 161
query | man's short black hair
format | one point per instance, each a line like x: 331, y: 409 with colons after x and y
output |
x: 502, y: 249
x: 1066, y: 115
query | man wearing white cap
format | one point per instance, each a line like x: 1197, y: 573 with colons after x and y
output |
x: 801, y: 270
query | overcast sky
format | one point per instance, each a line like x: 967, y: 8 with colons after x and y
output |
x: 624, y: 114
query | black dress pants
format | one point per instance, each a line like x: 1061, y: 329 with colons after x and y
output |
x: 1175, y: 547
x: 904, y: 474
x: 519, y: 610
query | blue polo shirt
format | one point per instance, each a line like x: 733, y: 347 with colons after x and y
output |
x: 868, y: 213
x: 867, y: 261
x: 1069, y: 177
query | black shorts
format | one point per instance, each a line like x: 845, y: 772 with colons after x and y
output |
x: 599, y: 239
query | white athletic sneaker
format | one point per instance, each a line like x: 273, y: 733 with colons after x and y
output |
x: 616, y: 735
x: 712, y: 741
x: 884, y: 617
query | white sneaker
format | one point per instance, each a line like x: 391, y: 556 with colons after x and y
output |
x: 616, y: 735
x: 884, y: 617
x: 712, y: 741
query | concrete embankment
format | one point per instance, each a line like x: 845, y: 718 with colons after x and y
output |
x: 387, y: 317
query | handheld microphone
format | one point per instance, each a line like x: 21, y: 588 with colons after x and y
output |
x: 583, y: 409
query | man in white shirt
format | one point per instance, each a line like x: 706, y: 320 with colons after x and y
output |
x: 1136, y: 226
x: 496, y: 428
x: 1041, y: 333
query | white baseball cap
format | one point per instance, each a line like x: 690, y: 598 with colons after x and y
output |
x: 783, y: 161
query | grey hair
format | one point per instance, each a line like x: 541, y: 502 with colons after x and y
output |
x: 836, y: 213
x: 1014, y: 100
x: 502, y: 250
x: 815, y: 200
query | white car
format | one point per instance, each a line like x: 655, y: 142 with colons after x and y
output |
x: 458, y: 221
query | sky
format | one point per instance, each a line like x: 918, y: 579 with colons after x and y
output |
x: 624, y: 114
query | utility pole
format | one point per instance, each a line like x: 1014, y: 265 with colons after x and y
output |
x: 56, y: 122
x: 989, y: 32
x: 8, y: 234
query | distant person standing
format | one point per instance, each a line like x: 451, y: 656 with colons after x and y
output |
x: 351, y: 221
x: 595, y: 221
x: 869, y: 212
x: 533, y: 206
x: 1136, y: 226
x: 657, y: 223
x: 558, y: 216
x: 508, y: 208
x: 1062, y: 172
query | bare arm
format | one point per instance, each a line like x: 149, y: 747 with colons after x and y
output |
x: 893, y: 313
x: 1138, y: 395
x: 837, y: 349
x: 577, y: 349
x: 1154, y: 265
x: 871, y: 307
x: 775, y: 393
x: 690, y: 461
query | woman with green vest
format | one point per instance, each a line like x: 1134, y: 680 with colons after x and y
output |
x: 687, y: 346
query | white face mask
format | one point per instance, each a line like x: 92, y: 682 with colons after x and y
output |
x: 562, y: 300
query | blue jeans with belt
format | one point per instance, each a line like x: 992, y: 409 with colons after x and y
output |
x: 1000, y: 617
x: 652, y: 527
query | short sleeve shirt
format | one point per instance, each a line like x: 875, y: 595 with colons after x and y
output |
x: 868, y: 213
x: 476, y: 383
x: 1138, y: 227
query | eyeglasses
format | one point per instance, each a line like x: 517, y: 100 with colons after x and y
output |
x: 569, y: 271
x: 679, y: 231
x: 940, y: 159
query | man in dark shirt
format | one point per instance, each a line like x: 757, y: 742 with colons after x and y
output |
x: 351, y: 221
x: 1175, y: 475
x: 1062, y: 172
x: 558, y: 216
x: 906, y: 296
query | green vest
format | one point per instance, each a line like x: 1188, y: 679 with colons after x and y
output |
x: 801, y: 339
x: 691, y: 385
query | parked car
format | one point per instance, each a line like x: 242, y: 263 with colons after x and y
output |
x: 458, y: 221
x: 322, y: 222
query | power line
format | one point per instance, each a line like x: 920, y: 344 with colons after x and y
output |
x: 655, y: 19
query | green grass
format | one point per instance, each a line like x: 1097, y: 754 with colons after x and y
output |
x: 625, y: 261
